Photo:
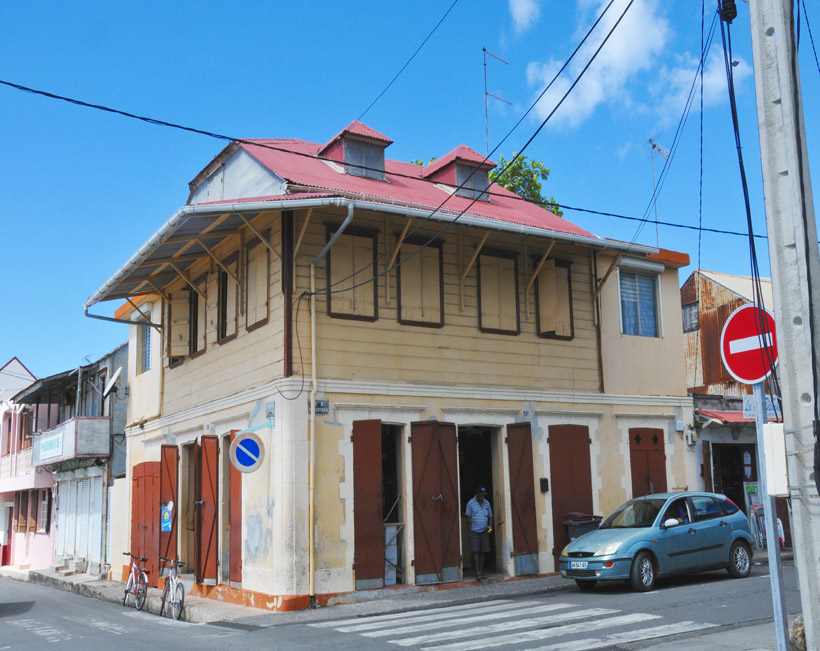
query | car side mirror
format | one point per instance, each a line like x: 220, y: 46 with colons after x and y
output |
x: 671, y: 522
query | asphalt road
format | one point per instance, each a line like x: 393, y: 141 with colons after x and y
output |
x: 36, y: 617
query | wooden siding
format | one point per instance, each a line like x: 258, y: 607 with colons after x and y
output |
x: 457, y: 353
x: 251, y: 358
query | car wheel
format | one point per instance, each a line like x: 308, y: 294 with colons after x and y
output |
x: 642, y: 576
x: 586, y: 586
x: 740, y: 563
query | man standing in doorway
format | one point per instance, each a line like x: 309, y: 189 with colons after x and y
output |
x: 480, y: 521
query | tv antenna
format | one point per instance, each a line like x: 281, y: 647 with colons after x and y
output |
x: 488, y: 94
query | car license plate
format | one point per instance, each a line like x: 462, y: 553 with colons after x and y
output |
x: 578, y: 565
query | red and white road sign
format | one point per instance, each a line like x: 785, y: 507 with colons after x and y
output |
x: 748, y: 344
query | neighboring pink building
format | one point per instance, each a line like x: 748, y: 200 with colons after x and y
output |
x: 26, y: 501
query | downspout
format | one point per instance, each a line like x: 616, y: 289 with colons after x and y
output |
x: 314, y: 389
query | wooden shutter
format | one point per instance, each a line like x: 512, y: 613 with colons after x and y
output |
x: 145, y: 515
x: 231, y: 300
x: 554, y: 300
x: 522, y: 498
x: 353, y: 253
x: 364, y: 259
x: 208, y: 511
x: 647, y: 460
x: 420, y: 299
x: 235, y: 532
x: 33, y: 506
x: 178, y: 333
x: 340, y: 260
x: 368, y: 525
x: 547, y: 299
x: 256, y: 285
x: 169, y: 492
x: 436, y: 514
x: 571, y: 475
x: 498, y: 294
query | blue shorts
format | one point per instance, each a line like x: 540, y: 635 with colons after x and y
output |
x: 479, y: 541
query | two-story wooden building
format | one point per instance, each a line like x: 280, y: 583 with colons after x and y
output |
x: 399, y: 335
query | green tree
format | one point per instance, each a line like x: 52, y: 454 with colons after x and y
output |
x: 524, y: 177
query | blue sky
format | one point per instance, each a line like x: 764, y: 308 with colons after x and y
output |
x: 82, y: 190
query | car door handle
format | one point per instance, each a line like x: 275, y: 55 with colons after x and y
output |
x: 691, y: 530
x: 722, y: 523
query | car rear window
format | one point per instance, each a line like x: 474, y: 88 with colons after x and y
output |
x: 706, y: 508
x: 728, y: 507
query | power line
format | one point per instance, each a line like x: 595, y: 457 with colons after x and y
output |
x: 413, y: 56
x: 811, y: 37
x: 514, y: 158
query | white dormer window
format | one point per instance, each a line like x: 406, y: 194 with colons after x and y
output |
x: 364, y: 159
x: 475, y: 186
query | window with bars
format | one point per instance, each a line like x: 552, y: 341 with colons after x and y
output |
x: 144, y: 347
x: 639, y: 304
x: 690, y: 317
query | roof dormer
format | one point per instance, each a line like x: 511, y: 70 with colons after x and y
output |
x: 464, y: 168
x: 360, y: 149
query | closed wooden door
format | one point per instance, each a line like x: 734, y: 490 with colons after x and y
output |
x: 208, y: 509
x: 647, y: 460
x: 145, y: 516
x: 522, y: 498
x: 368, y: 525
x: 169, y: 495
x: 435, y: 502
x: 571, y: 475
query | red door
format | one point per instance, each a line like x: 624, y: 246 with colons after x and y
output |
x: 435, y: 502
x: 235, y: 532
x: 368, y: 526
x: 648, y: 461
x: 208, y: 501
x: 145, y: 516
x: 524, y: 531
x: 168, y: 495
x: 571, y: 479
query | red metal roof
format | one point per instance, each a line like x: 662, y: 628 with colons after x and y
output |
x: 404, y: 184
x: 726, y: 417
x: 356, y: 128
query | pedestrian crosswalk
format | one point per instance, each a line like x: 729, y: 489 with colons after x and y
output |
x: 526, y: 624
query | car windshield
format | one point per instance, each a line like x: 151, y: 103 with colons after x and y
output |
x: 634, y: 515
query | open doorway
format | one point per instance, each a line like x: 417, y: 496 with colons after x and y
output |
x: 392, y: 509
x: 735, y: 466
x: 186, y: 507
x: 475, y: 464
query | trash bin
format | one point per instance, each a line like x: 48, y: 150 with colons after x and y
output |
x: 578, y: 524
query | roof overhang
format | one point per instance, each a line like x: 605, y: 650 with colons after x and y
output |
x: 193, y: 226
x: 43, y: 387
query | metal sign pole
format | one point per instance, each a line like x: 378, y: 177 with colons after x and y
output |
x: 772, y: 541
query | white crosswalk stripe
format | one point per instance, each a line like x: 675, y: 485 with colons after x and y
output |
x: 506, y: 623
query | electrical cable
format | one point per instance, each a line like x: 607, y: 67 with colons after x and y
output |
x: 762, y: 323
x: 811, y: 36
x: 700, y: 191
x: 449, y: 224
x: 413, y: 56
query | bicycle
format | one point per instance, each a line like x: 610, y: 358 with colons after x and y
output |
x: 174, y: 588
x: 137, y: 584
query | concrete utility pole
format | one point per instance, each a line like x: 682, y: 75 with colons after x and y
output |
x: 795, y: 265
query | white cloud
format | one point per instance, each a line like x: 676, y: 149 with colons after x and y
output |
x: 524, y: 13
x: 674, y: 84
x: 633, y: 48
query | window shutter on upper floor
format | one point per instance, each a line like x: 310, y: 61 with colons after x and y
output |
x: 256, y: 284
x: 498, y: 286
x: 178, y: 333
x: 349, y: 254
x: 554, y: 300
x: 420, y: 290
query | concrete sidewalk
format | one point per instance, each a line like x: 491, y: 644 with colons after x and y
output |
x: 388, y: 600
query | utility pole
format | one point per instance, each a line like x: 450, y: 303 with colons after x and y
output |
x: 795, y: 265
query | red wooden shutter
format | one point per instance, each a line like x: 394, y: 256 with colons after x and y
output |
x: 235, y: 535
x: 136, y: 510
x: 449, y: 505
x: 368, y: 516
x: 169, y: 492
x: 435, y: 502
x: 522, y: 497
x: 145, y: 515
x: 571, y: 479
x: 209, y: 485
x: 648, y: 461
x: 198, y: 512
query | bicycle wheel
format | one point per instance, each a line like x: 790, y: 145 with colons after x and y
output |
x: 166, y: 591
x: 141, y: 591
x: 128, y: 587
x: 179, y: 600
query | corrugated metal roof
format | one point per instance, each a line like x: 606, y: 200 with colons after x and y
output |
x: 725, y: 417
x: 408, y: 187
x: 356, y: 128
x: 741, y: 285
x: 462, y: 152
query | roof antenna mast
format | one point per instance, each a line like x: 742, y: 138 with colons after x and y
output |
x: 486, y: 95
x: 665, y: 155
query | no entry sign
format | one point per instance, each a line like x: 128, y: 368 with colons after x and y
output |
x: 748, y: 344
x: 247, y: 452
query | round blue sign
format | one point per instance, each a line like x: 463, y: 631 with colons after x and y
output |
x: 247, y: 452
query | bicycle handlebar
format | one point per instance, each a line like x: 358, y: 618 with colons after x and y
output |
x: 136, y: 558
x: 168, y: 560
